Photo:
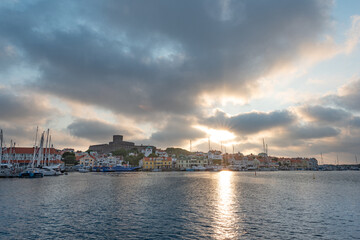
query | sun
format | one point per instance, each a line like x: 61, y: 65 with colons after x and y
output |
x: 217, y: 135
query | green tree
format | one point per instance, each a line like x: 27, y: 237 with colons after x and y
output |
x: 120, y: 152
x: 134, y: 160
x: 69, y: 158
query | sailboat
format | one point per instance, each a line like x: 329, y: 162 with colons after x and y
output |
x: 6, y: 169
x: 31, y: 171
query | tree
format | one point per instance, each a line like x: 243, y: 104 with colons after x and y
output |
x: 69, y: 158
x: 134, y: 160
x: 120, y: 152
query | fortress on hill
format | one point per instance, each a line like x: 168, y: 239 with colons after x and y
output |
x: 116, y: 144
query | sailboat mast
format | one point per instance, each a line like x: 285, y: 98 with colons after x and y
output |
x: 35, y: 148
x: 49, y: 152
x: 41, y: 148
x: 1, y: 145
x: 10, y: 152
x: 46, y: 147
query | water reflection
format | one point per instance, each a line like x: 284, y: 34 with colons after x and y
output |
x: 225, y: 219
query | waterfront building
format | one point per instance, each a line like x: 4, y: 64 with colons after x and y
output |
x: 24, y: 155
x: 86, y: 160
x: 150, y: 163
x: 215, y: 157
x: 193, y: 161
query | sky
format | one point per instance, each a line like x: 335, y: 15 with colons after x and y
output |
x: 165, y: 72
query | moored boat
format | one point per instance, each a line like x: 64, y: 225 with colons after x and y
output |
x: 31, y: 173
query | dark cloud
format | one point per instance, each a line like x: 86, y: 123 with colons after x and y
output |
x: 325, y: 114
x: 143, y: 58
x: 250, y: 123
x: 95, y: 130
x: 177, y: 131
x: 20, y: 109
x: 312, y: 132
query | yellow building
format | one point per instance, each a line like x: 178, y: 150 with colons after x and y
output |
x: 156, y: 163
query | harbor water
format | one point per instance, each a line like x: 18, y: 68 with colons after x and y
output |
x: 185, y: 205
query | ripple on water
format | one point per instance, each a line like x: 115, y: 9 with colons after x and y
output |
x: 197, y: 205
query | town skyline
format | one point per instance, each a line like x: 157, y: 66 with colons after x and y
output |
x: 234, y: 72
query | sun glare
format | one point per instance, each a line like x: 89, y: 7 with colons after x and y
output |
x: 216, y: 135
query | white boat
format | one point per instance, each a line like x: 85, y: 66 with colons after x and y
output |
x: 7, y: 170
x: 48, y: 172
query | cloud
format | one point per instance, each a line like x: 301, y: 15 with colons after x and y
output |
x: 347, y: 98
x: 325, y: 114
x: 145, y: 59
x: 176, y: 132
x: 250, y: 123
x: 95, y: 130
x: 23, y: 108
x: 312, y: 132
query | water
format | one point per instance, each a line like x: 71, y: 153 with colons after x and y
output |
x: 186, y: 205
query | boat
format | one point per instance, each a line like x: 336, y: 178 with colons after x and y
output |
x: 83, y: 170
x: 48, y: 172
x: 117, y: 168
x: 31, y: 173
x: 7, y: 170
x: 157, y: 170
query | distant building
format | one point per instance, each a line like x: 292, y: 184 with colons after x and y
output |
x: 119, y: 143
x: 116, y: 144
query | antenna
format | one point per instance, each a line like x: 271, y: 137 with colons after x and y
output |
x: 264, y: 145
x: 322, y: 161
x: 266, y: 149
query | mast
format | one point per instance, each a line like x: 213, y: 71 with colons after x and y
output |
x: 209, y: 144
x: 49, y: 152
x: 337, y: 159
x: 41, y: 147
x: 10, y: 152
x: 190, y: 145
x: 46, y: 147
x: 1, y: 145
x: 35, y: 148
x: 14, y: 156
